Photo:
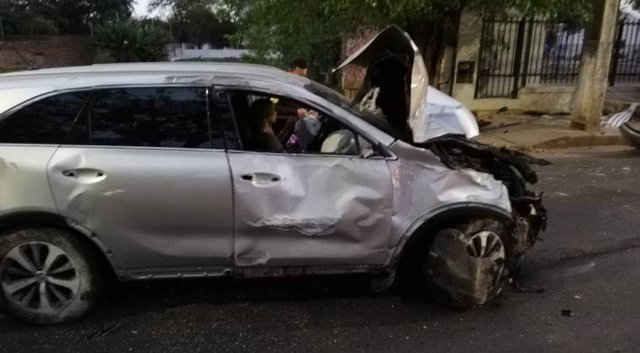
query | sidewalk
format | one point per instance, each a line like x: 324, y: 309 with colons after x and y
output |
x: 541, y: 132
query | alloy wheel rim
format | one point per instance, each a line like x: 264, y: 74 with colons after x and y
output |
x: 487, y: 245
x: 39, y: 277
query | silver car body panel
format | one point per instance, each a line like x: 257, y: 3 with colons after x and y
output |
x: 304, y: 210
x: 166, y: 208
x: 172, y: 213
x: 448, y: 116
x: 423, y: 185
x: 24, y: 186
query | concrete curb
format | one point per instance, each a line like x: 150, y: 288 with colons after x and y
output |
x: 581, y: 141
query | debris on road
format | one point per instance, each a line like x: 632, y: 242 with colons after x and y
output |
x: 523, y: 289
x: 566, y: 312
x: 104, y: 332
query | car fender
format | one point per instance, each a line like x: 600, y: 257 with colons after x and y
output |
x: 423, y: 228
x: 42, y: 218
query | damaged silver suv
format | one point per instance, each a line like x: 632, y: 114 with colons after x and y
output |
x: 150, y: 171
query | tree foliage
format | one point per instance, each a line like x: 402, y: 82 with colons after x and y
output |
x: 199, y: 21
x: 279, y: 30
x: 60, y: 16
x: 133, y: 41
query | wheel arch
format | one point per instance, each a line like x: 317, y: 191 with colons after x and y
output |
x: 48, y: 219
x: 421, y: 232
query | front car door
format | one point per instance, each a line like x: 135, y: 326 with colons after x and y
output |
x: 306, y: 210
x: 142, y: 172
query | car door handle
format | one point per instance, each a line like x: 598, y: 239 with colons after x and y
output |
x: 84, y: 174
x: 261, y: 178
x: 69, y: 173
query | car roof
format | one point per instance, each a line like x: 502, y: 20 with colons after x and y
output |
x: 143, y: 73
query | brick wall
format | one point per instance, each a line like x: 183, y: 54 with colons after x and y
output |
x: 353, y: 75
x: 18, y: 53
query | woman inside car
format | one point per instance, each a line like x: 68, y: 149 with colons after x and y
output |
x: 262, y: 115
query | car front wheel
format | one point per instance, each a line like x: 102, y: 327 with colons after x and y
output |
x: 46, y: 275
x: 465, y: 262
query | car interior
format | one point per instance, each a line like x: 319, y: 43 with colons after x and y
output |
x: 326, y: 136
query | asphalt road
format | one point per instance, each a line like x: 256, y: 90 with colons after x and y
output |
x: 588, y: 263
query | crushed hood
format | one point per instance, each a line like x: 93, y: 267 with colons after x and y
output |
x: 395, y: 66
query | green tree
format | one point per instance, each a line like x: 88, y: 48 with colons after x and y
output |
x: 16, y: 19
x: 280, y: 30
x: 133, y: 41
x: 60, y: 16
x: 198, y: 22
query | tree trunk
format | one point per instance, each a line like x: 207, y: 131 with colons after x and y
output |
x: 588, y: 100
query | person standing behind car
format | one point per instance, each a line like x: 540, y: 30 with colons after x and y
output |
x: 291, y: 109
x: 299, y: 67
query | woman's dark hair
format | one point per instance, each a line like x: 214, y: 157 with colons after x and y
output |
x: 259, y: 112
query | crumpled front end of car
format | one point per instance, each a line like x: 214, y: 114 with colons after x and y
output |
x: 464, y: 214
x: 510, y: 167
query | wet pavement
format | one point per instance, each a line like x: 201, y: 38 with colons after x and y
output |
x: 578, y: 293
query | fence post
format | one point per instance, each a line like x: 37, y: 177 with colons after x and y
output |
x: 481, y: 57
x: 517, y: 60
x: 527, y: 54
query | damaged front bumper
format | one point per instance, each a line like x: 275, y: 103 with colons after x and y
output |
x: 514, y: 170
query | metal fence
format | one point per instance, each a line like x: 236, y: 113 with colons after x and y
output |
x: 515, y: 53
x: 526, y: 52
x: 625, y: 64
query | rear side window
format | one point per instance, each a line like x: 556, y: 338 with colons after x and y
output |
x: 149, y: 117
x: 46, y: 121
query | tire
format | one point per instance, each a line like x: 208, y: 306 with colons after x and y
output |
x: 46, y: 275
x: 465, y: 263
x: 630, y: 134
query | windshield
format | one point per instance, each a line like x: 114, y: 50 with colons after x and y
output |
x: 332, y: 96
x: 379, y: 121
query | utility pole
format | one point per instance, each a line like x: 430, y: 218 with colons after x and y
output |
x: 590, y: 94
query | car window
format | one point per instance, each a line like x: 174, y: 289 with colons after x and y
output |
x: 46, y: 121
x: 295, y: 128
x: 147, y: 117
x: 377, y: 120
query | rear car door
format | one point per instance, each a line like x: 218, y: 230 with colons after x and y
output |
x: 143, y: 171
x: 306, y: 210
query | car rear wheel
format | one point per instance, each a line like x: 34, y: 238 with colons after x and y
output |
x: 46, y: 275
x: 465, y: 263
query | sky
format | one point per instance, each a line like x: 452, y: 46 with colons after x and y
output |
x: 140, y: 9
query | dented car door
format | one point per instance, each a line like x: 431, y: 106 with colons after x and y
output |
x: 300, y: 210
